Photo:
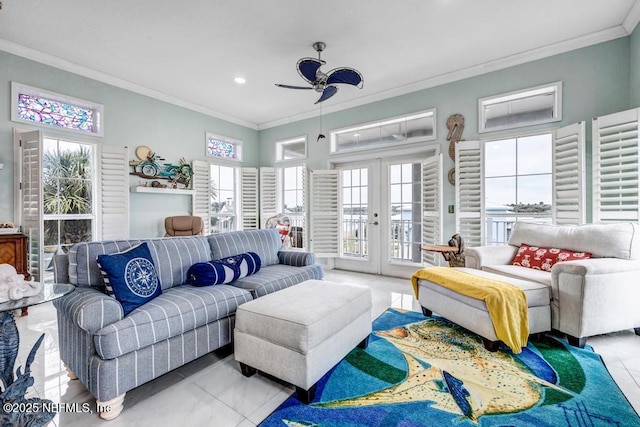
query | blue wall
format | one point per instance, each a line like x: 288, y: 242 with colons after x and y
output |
x: 597, y: 80
x: 130, y: 120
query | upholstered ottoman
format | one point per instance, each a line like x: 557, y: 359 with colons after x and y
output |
x: 473, y: 315
x: 297, y: 334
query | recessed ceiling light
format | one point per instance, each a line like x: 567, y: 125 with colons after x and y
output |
x: 240, y: 80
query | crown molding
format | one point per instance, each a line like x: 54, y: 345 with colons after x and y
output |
x: 44, y: 58
x: 623, y: 30
x: 476, y: 70
x: 633, y: 17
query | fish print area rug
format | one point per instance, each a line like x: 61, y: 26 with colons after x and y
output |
x: 427, y: 371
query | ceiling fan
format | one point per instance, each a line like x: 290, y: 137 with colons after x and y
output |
x: 309, y: 70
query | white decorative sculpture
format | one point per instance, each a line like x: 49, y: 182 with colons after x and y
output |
x: 13, y: 285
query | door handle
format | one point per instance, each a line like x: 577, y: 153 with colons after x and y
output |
x: 374, y: 223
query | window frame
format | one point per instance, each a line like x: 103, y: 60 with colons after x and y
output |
x: 555, y: 87
x: 235, y: 142
x: 18, y: 88
x: 236, y: 194
x: 279, y: 149
x: 333, y: 149
x: 519, y: 216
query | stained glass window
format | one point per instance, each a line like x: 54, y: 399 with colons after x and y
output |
x: 33, y: 105
x: 50, y: 112
x: 224, y: 148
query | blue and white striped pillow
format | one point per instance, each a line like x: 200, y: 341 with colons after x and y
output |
x: 224, y: 270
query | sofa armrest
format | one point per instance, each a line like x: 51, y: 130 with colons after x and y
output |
x: 479, y: 256
x: 61, y: 268
x: 296, y: 258
x: 595, y: 296
x: 89, y: 308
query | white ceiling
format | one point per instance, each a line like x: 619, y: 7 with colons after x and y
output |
x: 188, y: 52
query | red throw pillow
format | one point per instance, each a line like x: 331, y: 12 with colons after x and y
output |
x: 544, y: 258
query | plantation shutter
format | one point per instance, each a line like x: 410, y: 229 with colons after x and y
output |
x: 569, y: 175
x: 469, y: 193
x: 249, y: 199
x: 201, y: 200
x: 432, y: 206
x: 324, y: 213
x: 615, y: 167
x: 30, y: 206
x: 268, y: 195
x: 113, y: 209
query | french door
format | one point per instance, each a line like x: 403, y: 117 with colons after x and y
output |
x: 388, y: 209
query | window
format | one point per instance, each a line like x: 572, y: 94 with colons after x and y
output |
x: 222, y: 147
x: 68, y: 170
x: 223, y: 199
x: 405, y: 211
x: 293, y: 201
x: 541, y: 104
x: 355, y: 212
x: 402, y: 130
x: 292, y: 149
x: 517, y: 183
x: 36, y: 106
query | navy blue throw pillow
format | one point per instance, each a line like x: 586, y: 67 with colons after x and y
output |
x: 130, y: 276
x: 224, y: 270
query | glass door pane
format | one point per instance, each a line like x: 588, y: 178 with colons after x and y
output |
x: 405, y: 214
x: 355, y: 211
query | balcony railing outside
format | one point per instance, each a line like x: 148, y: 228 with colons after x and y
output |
x: 498, y: 227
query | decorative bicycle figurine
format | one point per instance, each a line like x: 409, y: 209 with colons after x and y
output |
x: 148, y: 167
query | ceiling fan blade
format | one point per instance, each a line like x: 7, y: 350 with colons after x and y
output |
x: 327, y: 93
x: 293, y: 87
x: 345, y: 75
x: 307, y: 68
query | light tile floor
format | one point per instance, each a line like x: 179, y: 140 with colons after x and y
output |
x: 211, y: 390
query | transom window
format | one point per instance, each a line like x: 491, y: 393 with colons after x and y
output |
x: 388, y: 133
x: 541, y: 104
x: 223, y: 147
x: 517, y: 183
x: 291, y: 149
x: 36, y: 106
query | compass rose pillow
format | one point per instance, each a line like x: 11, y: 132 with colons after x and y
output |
x: 130, y: 276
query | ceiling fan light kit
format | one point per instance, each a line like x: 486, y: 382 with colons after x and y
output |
x: 309, y: 70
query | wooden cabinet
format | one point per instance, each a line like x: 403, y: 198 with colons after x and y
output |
x: 13, y: 250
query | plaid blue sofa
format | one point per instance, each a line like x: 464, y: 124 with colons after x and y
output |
x: 111, y: 353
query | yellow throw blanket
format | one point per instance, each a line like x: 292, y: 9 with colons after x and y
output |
x: 506, y: 303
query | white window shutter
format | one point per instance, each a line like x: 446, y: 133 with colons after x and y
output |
x: 432, y: 206
x: 324, y: 215
x: 615, y: 167
x: 569, y: 175
x: 113, y: 210
x: 201, y: 201
x: 469, y: 193
x: 268, y: 192
x: 249, y: 200
x: 31, y: 203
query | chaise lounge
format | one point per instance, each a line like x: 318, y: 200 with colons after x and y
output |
x: 587, y: 297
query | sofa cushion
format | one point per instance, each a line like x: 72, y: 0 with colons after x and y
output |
x: 130, y: 276
x: 519, y: 272
x: 276, y: 277
x: 540, y: 258
x: 266, y: 243
x: 225, y: 270
x: 615, y: 240
x: 177, y: 310
x: 172, y: 256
